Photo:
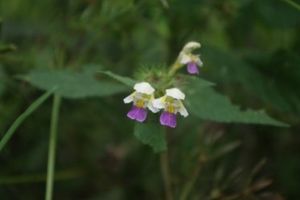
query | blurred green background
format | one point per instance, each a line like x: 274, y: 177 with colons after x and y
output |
x: 251, y: 49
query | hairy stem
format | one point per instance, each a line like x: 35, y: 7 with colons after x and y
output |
x: 166, y: 172
x: 52, y: 147
x: 174, y: 68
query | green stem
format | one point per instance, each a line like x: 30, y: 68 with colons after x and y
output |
x: 174, y: 68
x: 35, y: 105
x: 165, y: 170
x: 52, y: 146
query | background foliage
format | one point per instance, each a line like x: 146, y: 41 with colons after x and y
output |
x: 250, y: 50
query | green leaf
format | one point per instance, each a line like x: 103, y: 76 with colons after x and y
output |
x: 35, y: 105
x: 274, y: 87
x: 5, y: 48
x: 279, y: 14
x: 125, y: 80
x: 206, y: 103
x: 73, y: 85
x: 195, y: 81
x: 151, y: 134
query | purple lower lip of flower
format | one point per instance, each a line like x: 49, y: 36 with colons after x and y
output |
x: 168, y: 119
x: 138, y: 114
x: 192, y: 68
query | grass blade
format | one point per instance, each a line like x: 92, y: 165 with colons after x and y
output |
x: 35, y: 105
x: 293, y: 4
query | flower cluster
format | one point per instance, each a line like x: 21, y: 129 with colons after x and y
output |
x: 171, y: 102
x: 143, y: 99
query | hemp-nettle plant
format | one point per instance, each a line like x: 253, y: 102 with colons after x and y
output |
x: 143, y: 97
x: 159, y: 90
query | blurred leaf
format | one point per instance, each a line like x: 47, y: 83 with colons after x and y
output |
x: 206, y: 103
x: 227, y: 148
x: 293, y: 4
x: 151, y: 134
x: 7, y: 48
x: 165, y: 3
x: 125, y: 80
x: 258, y: 167
x: 112, y: 11
x: 33, y: 178
x: 71, y: 84
x: 278, y: 14
x: 261, y: 184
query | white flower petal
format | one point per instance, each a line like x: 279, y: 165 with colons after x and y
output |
x: 175, y: 93
x: 184, y: 58
x: 152, y: 108
x: 190, y: 46
x: 199, y: 61
x: 129, y: 98
x: 158, y: 103
x: 144, y: 87
x: 182, y: 110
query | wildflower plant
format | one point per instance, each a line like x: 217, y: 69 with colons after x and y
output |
x: 166, y: 92
x: 109, y: 135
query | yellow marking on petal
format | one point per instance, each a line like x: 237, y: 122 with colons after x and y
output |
x: 171, y: 109
x: 140, y: 103
x: 169, y: 99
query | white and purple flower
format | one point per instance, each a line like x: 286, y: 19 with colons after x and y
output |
x: 171, y: 103
x: 186, y: 57
x: 142, y: 99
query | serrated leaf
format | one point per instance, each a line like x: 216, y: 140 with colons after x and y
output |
x: 206, y: 103
x: 125, y: 80
x: 152, y: 135
x: 275, y: 88
x: 72, y: 84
